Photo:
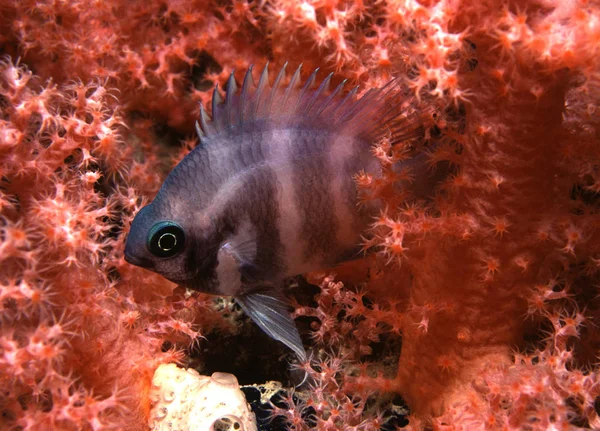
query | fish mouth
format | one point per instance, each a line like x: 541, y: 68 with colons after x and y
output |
x: 142, y: 263
x: 130, y: 257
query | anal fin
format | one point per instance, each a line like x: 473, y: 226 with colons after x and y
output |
x: 270, y: 312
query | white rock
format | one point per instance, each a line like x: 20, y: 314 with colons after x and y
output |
x: 183, y: 400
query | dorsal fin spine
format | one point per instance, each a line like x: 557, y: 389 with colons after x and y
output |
x: 348, y: 97
x: 205, y: 121
x: 200, y: 133
x: 247, y: 84
x: 216, y: 101
x: 309, y: 83
x: 263, y: 82
x: 329, y: 99
x: 358, y: 106
x: 294, y: 82
x: 275, y: 88
x: 229, y: 95
x: 323, y: 87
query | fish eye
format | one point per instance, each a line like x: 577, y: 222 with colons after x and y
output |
x: 166, y: 239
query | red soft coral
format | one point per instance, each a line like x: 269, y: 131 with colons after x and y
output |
x: 78, y: 347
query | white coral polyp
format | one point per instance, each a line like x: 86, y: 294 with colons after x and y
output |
x: 183, y: 400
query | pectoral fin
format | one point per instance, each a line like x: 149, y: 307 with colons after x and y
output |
x: 270, y: 312
x: 242, y: 245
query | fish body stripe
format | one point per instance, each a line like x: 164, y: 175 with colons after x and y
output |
x: 312, y: 177
x: 248, y: 200
x: 256, y: 201
x: 343, y: 155
x: 289, y: 223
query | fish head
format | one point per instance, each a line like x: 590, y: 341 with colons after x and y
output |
x: 163, y: 244
x: 186, y: 251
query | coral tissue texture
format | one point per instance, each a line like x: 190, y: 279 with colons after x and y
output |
x: 491, y: 287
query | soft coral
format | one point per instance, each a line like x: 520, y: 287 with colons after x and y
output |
x: 66, y: 351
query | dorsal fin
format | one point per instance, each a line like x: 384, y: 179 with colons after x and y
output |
x: 388, y: 111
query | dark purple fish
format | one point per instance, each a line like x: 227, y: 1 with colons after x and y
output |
x: 269, y: 192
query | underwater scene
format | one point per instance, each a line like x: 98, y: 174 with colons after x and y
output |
x: 263, y: 215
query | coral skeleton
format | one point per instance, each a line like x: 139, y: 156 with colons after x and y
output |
x: 185, y: 400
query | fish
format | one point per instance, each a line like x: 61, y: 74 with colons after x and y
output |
x: 269, y: 191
